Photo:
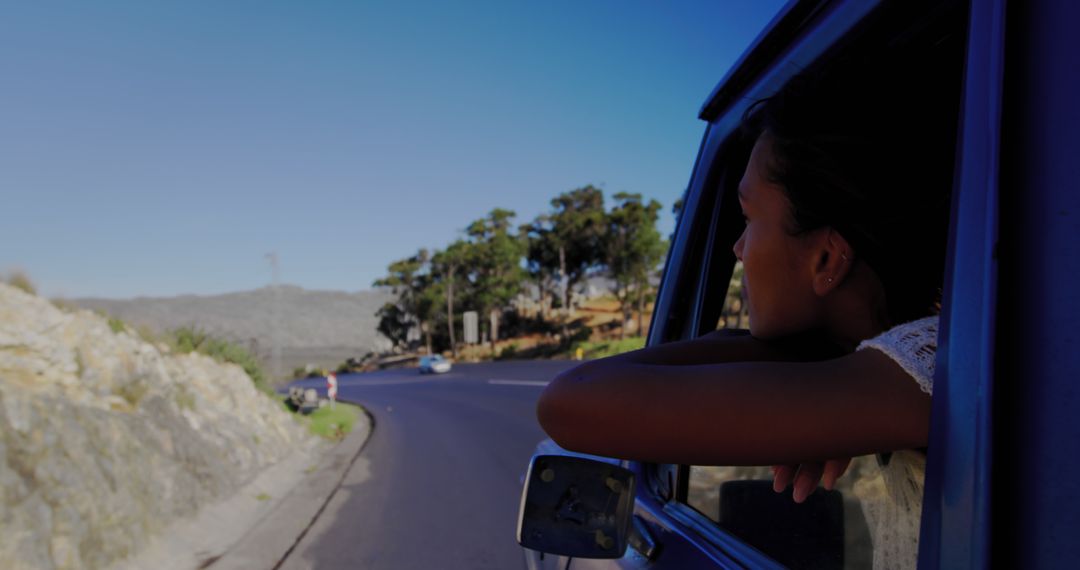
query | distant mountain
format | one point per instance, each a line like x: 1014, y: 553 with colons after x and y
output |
x: 317, y: 327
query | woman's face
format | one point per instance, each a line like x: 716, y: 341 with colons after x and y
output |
x: 777, y: 266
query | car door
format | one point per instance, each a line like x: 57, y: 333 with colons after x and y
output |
x: 682, y: 508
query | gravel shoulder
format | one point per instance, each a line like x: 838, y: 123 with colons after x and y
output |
x: 260, y: 524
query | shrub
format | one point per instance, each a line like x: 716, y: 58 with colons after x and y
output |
x: 509, y: 352
x: 191, y: 339
x: 20, y: 280
x: 188, y: 339
x: 117, y: 325
x: 579, y: 331
x: 133, y: 392
x: 353, y: 364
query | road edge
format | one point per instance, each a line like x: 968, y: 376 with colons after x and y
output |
x: 269, y: 543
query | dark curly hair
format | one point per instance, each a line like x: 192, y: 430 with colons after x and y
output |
x: 869, y: 150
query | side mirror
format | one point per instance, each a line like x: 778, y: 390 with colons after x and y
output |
x: 572, y: 506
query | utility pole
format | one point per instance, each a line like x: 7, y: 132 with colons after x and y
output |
x: 275, y: 317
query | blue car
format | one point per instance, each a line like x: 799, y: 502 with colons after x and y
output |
x: 1002, y: 478
x: 434, y: 364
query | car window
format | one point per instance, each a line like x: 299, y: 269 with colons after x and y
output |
x: 832, y: 529
x: 829, y: 530
x: 734, y: 314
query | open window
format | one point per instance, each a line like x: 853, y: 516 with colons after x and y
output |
x: 832, y: 529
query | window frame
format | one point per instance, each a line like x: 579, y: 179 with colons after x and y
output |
x: 801, y: 34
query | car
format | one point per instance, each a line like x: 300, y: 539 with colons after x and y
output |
x: 434, y: 364
x: 1001, y: 469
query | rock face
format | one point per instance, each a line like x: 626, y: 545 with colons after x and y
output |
x: 105, y: 438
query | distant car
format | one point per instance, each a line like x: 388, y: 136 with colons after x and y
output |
x: 435, y: 364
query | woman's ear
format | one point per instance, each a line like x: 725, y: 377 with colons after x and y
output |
x: 832, y: 263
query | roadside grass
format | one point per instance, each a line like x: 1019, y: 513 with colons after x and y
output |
x: 326, y: 422
x: 601, y: 349
x: 334, y: 423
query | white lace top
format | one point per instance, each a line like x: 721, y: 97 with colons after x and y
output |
x: 894, y: 516
x: 913, y: 346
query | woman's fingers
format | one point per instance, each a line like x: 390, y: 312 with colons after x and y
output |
x: 834, y: 468
x: 782, y: 476
x: 805, y: 477
x: 806, y: 480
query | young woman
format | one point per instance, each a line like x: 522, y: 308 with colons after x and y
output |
x: 845, y: 196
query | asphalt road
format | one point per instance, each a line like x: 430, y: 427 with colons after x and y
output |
x: 438, y: 483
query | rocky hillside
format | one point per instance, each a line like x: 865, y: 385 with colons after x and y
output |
x: 104, y: 438
x: 320, y: 327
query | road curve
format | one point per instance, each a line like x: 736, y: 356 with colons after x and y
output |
x: 438, y: 483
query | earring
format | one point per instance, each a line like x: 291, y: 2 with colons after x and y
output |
x: 829, y: 280
x: 843, y: 256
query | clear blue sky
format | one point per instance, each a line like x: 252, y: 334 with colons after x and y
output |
x: 161, y: 148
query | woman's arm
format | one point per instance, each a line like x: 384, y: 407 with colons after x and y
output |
x: 736, y: 413
x: 730, y: 345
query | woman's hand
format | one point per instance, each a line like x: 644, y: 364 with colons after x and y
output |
x: 807, y: 475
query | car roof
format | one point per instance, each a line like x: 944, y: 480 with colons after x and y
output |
x: 776, y: 37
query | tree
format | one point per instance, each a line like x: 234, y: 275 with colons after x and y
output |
x: 577, y: 228
x: 446, y: 266
x: 494, y: 265
x: 394, y: 324
x: 541, y: 258
x: 633, y: 249
x: 410, y: 279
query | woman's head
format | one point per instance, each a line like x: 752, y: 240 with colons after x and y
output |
x: 777, y: 280
x: 847, y: 189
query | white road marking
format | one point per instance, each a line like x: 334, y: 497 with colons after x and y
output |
x: 519, y: 382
